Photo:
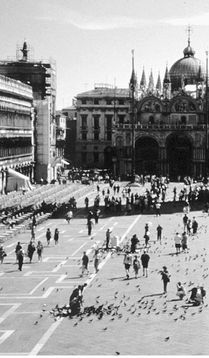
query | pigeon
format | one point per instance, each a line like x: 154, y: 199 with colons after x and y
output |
x: 105, y: 328
x: 117, y: 353
x: 43, y: 289
x: 166, y: 339
x: 35, y: 322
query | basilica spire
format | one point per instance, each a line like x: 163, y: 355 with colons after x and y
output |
x: 151, y: 82
x: 143, y: 82
x: 166, y: 77
x: 133, y: 79
x: 167, y: 84
x: 159, y: 85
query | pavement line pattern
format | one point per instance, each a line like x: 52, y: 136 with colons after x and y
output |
x: 59, y: 265
x: 37, y: 286
x: 11, y: 245
x: 75, y: 252
x: 45, y: 337
x: 40, y: 228
x: 5, y: 335
x: 54, y: 325
x: 10, y: 310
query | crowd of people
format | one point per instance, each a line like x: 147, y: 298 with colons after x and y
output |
x: 136, y: 252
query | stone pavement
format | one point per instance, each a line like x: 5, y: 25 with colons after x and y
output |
x: 147, y: 322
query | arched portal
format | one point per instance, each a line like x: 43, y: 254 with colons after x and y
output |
x: 146, y: 156
x: 179, y: 155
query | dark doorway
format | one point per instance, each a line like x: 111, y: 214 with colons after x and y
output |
x: 146, y: 155
x: 108, y: 154
x: 179, y: 154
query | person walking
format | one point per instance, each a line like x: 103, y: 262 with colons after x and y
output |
x: 2, y: 254
x: 136, y: 266
x: 134, y: 242
x: 177, y: 240
x: 147, y: 238
x: 33, y: 235
x: 189, y: 226
x: 158, y: 208
x: 90, y: 226
x: 48, y: 236
x: 39, y: 250
x: 185, y: 220
x: 108, y: 232
x: 31, y: 249
x: 96, y: 260
x: 96, y: 215
x: 20, y: 259
x: 146, y: 228
x: 17, y: 248
x: 86, y: 202
x: 159, y: 233
x: 127, y: 263
x: 165, y: 278
x: 145, y: 262
x: 194, y: 226
x: 56, y: 236
x: 85, y: 262
x: 184, y: 242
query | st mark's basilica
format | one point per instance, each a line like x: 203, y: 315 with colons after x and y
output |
x: 165, y: 125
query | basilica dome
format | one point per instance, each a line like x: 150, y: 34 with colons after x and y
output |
x: 187, y: 70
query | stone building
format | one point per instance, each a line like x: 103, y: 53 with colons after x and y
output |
x: 163, y: 125
x: 70, y: 144
x: 16, y: 135
x: 97, y: 113
x: 41, y: 76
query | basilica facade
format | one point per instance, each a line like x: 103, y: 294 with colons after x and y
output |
x: 165, y: 125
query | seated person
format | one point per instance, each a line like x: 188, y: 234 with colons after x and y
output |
x: 197, y: 294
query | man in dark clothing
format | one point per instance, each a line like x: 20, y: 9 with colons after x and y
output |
x: 185, y: 219
x: 194, y: 225
x: 76, y: 299
x: 87, y: 202
x: 20, y: 257
x: 85, y: 262
x: 96, y: 215
x: 159, y: 233
x: 145, y: 260
x: 89, y: 226
x: 108, y: 232
x: 18, y: 247
x: 48, y: 236
x: 77, y: 293
x: 31, y: 249
x: 134, y: 242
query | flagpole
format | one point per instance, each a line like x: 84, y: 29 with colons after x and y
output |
x: 206, y: 109
x: 133, y: 168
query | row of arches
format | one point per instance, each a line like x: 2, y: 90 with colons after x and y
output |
x: 178, y: 155
x: 179, y: 103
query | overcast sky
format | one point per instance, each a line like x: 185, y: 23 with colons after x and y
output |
x: 91, y: 40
